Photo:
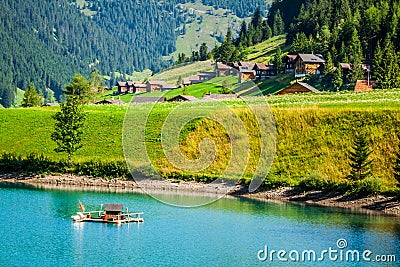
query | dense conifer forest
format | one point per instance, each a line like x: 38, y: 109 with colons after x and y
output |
x: 46, y: 42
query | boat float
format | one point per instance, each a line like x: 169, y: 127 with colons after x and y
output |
x: 112, y: 213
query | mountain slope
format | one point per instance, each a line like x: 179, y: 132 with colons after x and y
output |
x: 46, y: 42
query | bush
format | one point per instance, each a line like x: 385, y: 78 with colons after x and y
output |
x: 368, y: 186
x: 102, y: 169
x: 315, y: 181
x: 274, y: 182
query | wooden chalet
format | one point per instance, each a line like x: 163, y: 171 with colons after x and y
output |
x: 140, y: 88
x: 263, y: 71
x: 122, y: 87
x: 247, y: 65
x: 245, y: 73
x: 130, y: 87
x: 181, y: 98
x: 308, y: 64
x: 206, y: 76
x: 289, y: 63
x: 298, y: 87
x: 222, y: 69
x: 154, y: 86
x: 159, y: 86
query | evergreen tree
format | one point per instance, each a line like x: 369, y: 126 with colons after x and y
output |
x: 243, y: 34
x: 337, y: 80
x: 329, y: 70
x: 278, y: 26
x: 203, y: 52
x: 386, y: 66
x: 278, y: 63
x: 266, y: 30
x: 31, y: 98
x: 299, y: 44
x: 355, y: 48
x: 227, y: 51
x: 360, y: 163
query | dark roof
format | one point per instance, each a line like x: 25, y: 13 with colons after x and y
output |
x: 113, y: 207
x: 111, y: 101
x: 183, y: 98
x: 147, y: 99
x: 311, y: 58
x: 309, y: 87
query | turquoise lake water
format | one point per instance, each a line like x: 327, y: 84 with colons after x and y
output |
x: 36, y: 230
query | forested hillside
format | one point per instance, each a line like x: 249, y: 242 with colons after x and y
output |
x: 45, y: 42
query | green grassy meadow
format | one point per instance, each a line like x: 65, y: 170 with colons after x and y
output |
x: 314, y: 133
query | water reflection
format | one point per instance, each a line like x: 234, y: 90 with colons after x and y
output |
x: 225, y: 233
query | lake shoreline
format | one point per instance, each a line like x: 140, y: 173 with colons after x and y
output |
x: 387, y: 205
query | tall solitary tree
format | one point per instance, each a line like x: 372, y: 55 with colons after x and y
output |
x: 68, y: 132
x: 360, y: 163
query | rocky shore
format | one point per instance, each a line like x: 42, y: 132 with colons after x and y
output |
x: 375, y: 204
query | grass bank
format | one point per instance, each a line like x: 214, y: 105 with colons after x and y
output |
x: 314, y: 133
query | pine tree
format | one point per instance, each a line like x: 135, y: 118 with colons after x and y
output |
x: 226, y: 52
x: 360, y: 163
x: 31, y: 98
x: 203, y: 52
x: 386, y: 66
x: 337, y: 80
x: 278, y: 64
x: 278, y: 27
x: 299, y: 44
x: 329, y: 67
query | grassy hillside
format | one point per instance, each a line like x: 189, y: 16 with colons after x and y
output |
x: 314, y: 134
x: 264, y: 52
x: 185, y: 70
x: 207, y: 25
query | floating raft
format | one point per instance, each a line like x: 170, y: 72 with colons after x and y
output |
x: 112, y: 213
